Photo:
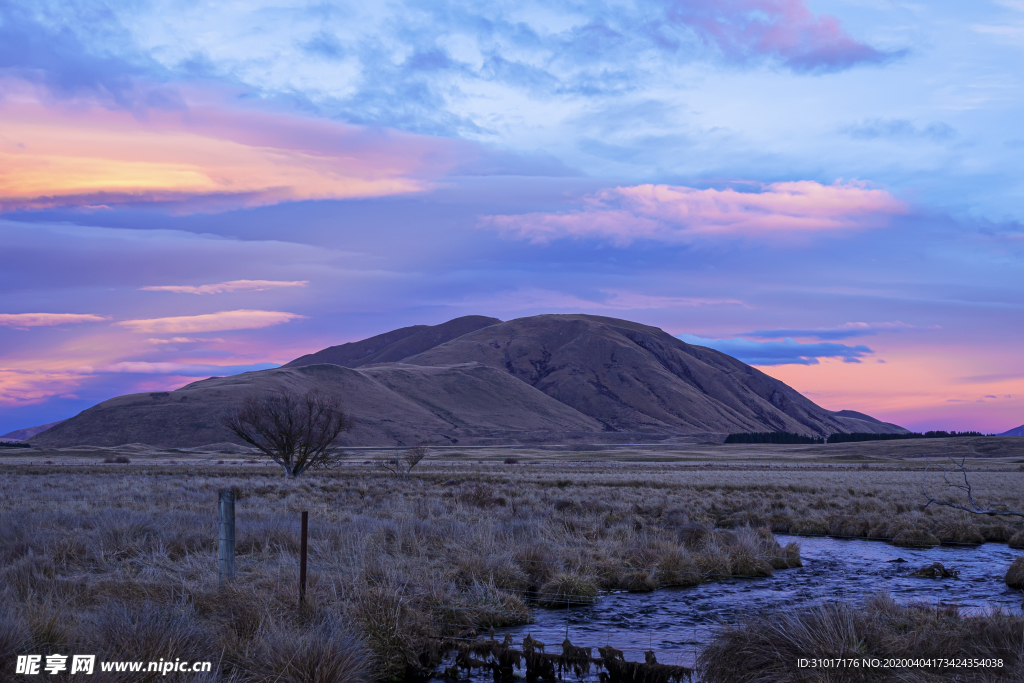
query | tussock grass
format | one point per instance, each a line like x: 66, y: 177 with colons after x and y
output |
x: 568, y: 589
x: 767, y: 648
x: 326, y: 652
x: 122, y: 562
x: 1015, y: 574
x: 406, y: 563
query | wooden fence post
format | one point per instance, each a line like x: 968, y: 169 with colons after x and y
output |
x: 226, y: 537
x: 302, y: 557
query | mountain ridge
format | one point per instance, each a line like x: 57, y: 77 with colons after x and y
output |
x: 477, y: 379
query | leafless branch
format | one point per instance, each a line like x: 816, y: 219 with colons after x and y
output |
x: 297, y: 432
x: 951, y: 478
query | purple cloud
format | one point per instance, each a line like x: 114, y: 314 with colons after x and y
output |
x: 785, y: 30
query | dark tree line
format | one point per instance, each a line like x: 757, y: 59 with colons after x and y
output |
x: 791, y: 438
x: 861, y: 436
x: 772, y: 437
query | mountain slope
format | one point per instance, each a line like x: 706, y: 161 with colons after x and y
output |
x: 390, y: 406
x: 865, y: 424
x: 633, y: 377
x: 394, y: 346
x: 1017, y: 431
x: 22, y: 434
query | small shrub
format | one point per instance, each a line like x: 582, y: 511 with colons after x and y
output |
x: 511, y: 461
x: 120, y: 460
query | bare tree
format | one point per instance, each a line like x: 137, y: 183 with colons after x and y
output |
x: 952, y: 477
x: 402, y: 465
x: 295, y: 431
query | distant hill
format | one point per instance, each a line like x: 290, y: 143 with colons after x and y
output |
x: 22, y: 434
x: 633, y: 377
x: 394, y: 346
x: 480, y: 380
x: 1017, y: 431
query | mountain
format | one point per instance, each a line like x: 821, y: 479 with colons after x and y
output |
x: 392, y: 347
x: 477, y: 380
x: 22, y: 434
x: 878, y: 428
x: 389, y: 405
x: 1017, y: 431
x: 633, y: 377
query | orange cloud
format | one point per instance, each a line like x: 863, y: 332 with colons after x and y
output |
x: 93, y: 156
x: 223, y: 320
x: 675, y: 213
x: 917, y: 386
x: 45, y: 319
x: 230, y: 286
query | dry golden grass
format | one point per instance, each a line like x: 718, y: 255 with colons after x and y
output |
x: 463, y: 545
x: 93, y: 550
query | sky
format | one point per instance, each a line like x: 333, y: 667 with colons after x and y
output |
x: 828, y: 190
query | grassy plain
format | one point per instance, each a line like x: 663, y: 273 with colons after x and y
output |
x: 95, y: 550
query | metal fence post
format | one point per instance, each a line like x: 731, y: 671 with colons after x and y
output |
x: 302, y: 558
x: 226, y: 537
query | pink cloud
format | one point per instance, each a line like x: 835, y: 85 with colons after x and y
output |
x: 223, y: 320
x: 24, y: 320
x: 210, y: 155
x: 36, y: 382
x: 674, y: 213
x: 185, y: 340
x: 230, y: 286
x: 783, y: 29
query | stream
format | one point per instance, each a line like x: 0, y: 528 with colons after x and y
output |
x: 677, y: 622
